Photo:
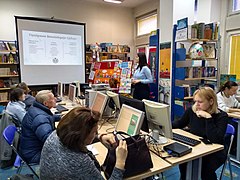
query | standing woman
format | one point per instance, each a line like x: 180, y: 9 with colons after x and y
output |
x: 141, y: 78
x: 16, y: 107
x: 205, y: 120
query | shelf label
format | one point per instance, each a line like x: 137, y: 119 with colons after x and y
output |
x: 182, y: 34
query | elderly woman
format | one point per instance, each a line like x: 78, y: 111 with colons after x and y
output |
x: 205, y: 120
x: 64, y: 154
x: 16, y: 107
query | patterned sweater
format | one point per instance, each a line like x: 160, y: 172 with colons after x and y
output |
x: 58, y: 162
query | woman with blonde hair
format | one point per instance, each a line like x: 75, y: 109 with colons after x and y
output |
x: 205, y: 120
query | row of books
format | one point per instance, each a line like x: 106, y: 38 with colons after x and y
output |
x: 199, y: 72
x: 3, y: 96
x: 4, y: 71
x: 8, y: 58
x: 181, y: 106
x: 203, y: 31
x: 6, y: 45
x: 185, y: 90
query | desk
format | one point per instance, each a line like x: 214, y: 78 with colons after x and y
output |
x: 68, y: 104
x: 194, y: 159
x: 159, y: 165
x: 237, y: 116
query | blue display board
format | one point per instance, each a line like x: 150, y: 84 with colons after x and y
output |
x: 154, y: 65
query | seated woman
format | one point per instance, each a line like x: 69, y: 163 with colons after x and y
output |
x: 228, y: 103
x: 29, y: 99
x: 205, y: 120
x: 64, y: 154
x: 16, y: 107
x: 226, y: 99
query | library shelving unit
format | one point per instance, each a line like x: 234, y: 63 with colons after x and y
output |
x: 107, y: 51
x: 194, y: 64
x: 9, y: 69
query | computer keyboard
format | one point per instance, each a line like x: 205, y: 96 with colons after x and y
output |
x: 61, y: 108
x: 58, y: 99
x: 186, y: 140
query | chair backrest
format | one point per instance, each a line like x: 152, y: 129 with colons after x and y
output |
x: 230, y: 131
x: 9, y: 134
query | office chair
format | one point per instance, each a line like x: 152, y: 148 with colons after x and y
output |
x: 9, y: 134
x: 229, y: 132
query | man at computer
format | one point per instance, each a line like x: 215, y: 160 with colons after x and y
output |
x: 205, y: 120
x: 37, y: 125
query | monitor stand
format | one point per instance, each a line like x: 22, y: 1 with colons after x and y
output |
x: 162, y: 140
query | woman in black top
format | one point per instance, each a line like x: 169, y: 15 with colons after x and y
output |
x: 205, y: 120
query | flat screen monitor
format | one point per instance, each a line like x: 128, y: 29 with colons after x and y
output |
x: 60, y: 89
x: 72, y: 92
x: 115, y: 98
x: 135, y: 103
x: 83, y: 87
x: 99, y: 102
x: 129, y: 120
x: 158, y: 117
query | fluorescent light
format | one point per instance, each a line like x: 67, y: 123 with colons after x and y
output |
x: 114, y: 1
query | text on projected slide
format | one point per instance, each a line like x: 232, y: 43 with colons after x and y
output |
x: 43, y: 48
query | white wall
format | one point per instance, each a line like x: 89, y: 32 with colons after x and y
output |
x: 166, y: 20
x: 104, y: 23
x: 182, y: 9
x: 141, y: 10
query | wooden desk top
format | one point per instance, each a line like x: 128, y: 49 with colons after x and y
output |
x: 198, y: 151
x: 234, y: 115
x: 159, y: 165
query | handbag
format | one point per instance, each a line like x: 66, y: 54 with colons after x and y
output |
x: 138, y: 158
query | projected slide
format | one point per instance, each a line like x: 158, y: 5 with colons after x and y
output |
x: 44, y: 48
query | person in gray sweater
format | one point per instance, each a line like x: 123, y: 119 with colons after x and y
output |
x: 65, y: 156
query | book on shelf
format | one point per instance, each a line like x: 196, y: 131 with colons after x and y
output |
x: 7, y: 46
x: 2, y: 46
x: 203, y: 31
x: 12, y: 46
x: 208, y: 31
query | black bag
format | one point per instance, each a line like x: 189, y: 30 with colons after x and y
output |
x: 138, y: 158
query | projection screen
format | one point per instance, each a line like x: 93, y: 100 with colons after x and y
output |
x: 50, y: 50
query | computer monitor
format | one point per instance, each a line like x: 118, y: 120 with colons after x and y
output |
x: 135, y: 103
x: 60, y: 89
x: 83, y: 87
x: 99, y: 102
x: 72, y: 92
x: 129, y: 120
x: 115, y: 98
x: 158, y: 117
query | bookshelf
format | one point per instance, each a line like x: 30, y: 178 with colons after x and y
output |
x: 9, y: 69
x: 104, y: 51
x: 195, y: 62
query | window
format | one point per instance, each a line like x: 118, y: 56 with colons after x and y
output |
x: 235, y: 5
x: 146, y: 24
x: 234, y: 55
